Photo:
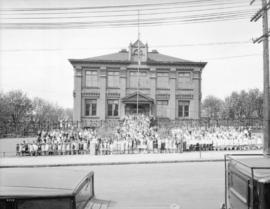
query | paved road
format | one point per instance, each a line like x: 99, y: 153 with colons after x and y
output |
x: 159, y: 186
x: 93, y: 160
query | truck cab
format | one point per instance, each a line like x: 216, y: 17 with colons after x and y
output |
x: 247, y: 182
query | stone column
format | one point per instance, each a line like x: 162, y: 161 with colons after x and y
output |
x: 102, y: 109
x: 153, y: 87
x: 197, y: 93
x: 77, y: 94
x: 123, y: 86
x: 172, y: 81
x: 200, y: 94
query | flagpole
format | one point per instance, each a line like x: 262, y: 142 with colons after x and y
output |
x: 139, y: 63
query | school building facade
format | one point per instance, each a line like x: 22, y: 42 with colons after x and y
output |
x: 111, y: 86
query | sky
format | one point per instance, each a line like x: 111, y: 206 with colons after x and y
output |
x: 36, y: 61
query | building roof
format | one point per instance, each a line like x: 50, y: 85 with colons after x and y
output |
x: 39, y: 182
x: 120, y: 56
x: 153, y: 57
x: 123, y: 57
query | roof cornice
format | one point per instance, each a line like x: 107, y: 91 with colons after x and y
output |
x: 81, y: 61
x: 197, y: 64
x: 150, y: 63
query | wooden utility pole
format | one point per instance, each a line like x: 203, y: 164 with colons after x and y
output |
x: 264, y: 38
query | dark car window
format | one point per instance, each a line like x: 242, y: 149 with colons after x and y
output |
x: 8, y: 204
x: 58, y: 203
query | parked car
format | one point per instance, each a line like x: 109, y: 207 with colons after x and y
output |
x: 45, y: 188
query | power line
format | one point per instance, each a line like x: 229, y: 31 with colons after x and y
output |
x: 194, y: 2
x: 206, y: 44
x: 216, y: 14
x: 223, y: 15
x: 128, y: 22
x: 153, y: 46
x: 186, y: 7
x: 235, y: 56
x: 183, y: 45
x: 122, y: 15
x: 153, y: 24
x: 231, y: 57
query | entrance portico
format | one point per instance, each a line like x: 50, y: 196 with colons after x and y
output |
x: 145, y: 104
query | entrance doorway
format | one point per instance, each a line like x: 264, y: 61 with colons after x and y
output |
x: 142, y: 109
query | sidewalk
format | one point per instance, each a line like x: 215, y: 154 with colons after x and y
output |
x: 88, y: 160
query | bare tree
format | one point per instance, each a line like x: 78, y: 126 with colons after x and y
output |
x: 212, y: 107
x: 19, y: 108
x: 244, y: 105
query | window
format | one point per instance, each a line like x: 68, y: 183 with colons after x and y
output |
x: 162, y: 102
x: 162, y: 108
x: 113, y: 79
x: 133, y: 79
x: 183, y: 109
x: 113, y: 107
x: 239, y: 185
x: 163, y: 80
x: 90, y: 107
x: 91, y: 78
x: 184, y: 77
x: 143, y: 80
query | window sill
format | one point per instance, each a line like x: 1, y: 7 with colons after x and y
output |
x: 91, y: 87
x: 183, y: 89
x: 113, y: 117
x: 90, y: 117
x: 113, y: 87
x: 134, y: 88
x: 163, y: 88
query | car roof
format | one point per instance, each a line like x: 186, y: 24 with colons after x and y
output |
x: 40, y: 182
x: 260, y: 165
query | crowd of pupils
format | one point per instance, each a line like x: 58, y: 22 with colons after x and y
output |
x: 136, y: 136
